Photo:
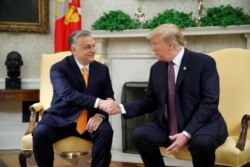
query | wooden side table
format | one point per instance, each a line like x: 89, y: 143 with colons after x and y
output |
x: 27, y: 96
x: 19, y: 94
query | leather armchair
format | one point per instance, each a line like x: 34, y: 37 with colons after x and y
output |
x: 70, y: 144
x: 234, y: 70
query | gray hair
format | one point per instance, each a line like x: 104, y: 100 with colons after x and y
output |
x: 77, y: 34
x: 169, y: 33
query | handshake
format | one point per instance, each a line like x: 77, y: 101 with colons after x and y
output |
x: 109, y: 106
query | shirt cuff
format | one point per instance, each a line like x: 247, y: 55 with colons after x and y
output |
x: 187, y: 134
x: 101, y: 116
x: 123, y: 109
x: 96, y: 102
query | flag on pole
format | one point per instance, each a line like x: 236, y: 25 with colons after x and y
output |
x: 68, y: 19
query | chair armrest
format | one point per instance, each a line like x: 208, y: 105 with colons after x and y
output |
x: 34, y: 109
x: 243, y: 132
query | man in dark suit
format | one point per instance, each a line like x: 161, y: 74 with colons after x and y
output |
x: 195, y: 99
x: 72, y: 97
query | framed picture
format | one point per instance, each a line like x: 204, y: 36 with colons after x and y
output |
x: 24, y: 16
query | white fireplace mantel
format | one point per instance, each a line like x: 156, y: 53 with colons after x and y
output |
x: 194, y: 35
x: 190, y: 31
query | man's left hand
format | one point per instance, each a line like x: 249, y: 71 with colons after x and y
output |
x: 94, y: 123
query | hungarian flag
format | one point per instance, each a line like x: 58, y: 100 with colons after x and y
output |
x: 68, y: 19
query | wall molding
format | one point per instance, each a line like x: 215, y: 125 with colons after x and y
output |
x: 190, y: 31
x: 26, y: 83
x: 213, y: 38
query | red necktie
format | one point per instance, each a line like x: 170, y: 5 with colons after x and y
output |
x: 172, y: 119
x: 82, y: 119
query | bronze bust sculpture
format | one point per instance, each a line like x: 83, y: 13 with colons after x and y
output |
x: 13, y: 63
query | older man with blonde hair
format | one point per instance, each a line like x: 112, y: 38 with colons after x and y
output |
x: 183, y: 90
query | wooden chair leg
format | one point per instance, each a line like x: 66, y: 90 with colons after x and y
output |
x: 247, y: 165
x: 23, y: 155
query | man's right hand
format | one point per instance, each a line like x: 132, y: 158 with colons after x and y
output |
x: 110, y: 106
x: 178, y: 142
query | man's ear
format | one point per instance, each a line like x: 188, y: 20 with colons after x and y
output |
x: 72, y: 49
x: 172, y: 45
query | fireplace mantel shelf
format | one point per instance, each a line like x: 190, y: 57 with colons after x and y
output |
x: 191, y: 31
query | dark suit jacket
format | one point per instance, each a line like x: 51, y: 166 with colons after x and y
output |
x: 197, y: 96
x: 70, y: 95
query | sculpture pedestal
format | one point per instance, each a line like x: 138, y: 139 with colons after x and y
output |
x: 12, y: 83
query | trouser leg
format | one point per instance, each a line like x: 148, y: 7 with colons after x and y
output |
x: 202, y: 149
x: 42, y: 147
x: 147, y: 139
x: 102, y: 141
x: 44, y: 136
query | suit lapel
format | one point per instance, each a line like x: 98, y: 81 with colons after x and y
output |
x: 77, y: 73
x: 92, y: 72
x: 183, y: 68
x: 162, y: 75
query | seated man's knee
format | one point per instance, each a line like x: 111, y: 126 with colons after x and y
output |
x: 202, y: 144
x: 139, y: 135
x: 106, y: 130
x: 40, y: 135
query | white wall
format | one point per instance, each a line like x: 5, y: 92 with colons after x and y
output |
x: 31, y: 46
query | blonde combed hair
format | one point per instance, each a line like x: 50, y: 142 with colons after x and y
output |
x: 169, y: 33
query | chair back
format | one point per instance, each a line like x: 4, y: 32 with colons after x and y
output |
x: 233, y: 65
x: 46, y: 90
